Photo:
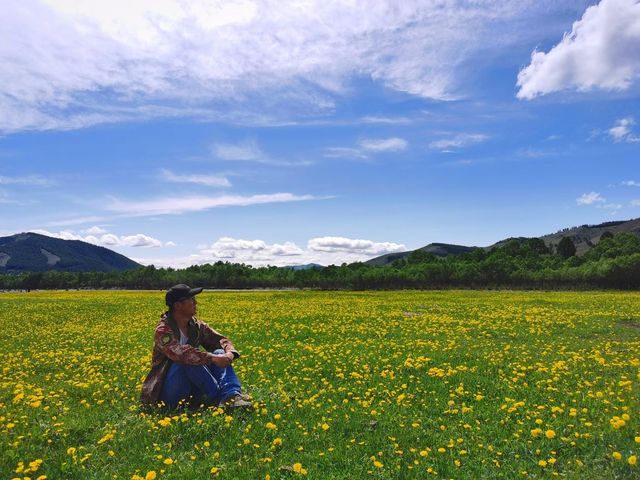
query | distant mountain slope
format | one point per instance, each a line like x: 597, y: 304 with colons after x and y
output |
x: 305, y: 267
x: 437, y: 249
x: 584, y: 238
x: 32, y: 252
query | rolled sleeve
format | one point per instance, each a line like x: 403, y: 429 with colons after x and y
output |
x: 212, y: 340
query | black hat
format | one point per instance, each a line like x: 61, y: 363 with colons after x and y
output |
x: 180, y: 292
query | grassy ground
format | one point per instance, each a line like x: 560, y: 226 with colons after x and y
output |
x: 347, y: 385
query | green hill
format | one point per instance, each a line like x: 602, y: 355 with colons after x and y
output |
x: 32, y: 252
x: 584, y: 237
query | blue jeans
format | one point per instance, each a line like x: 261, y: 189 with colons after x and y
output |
x: 193, y: 381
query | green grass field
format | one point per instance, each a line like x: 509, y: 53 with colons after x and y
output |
x: 347, y: 385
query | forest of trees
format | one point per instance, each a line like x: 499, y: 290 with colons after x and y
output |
x: 526, y: 264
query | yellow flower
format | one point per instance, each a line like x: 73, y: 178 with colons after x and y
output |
x: 378, y: 464
x: 536, y: 432
x: 167, y: 461
x: 151, y: 475
x: 423, y: 453
x: 297, y: 468
x: 616, y: 455
x: 106, y: 438
x: 637, y: 439
x: 542, y: 463
x: 632, y: 460
x: 550, y: 434
x: 277, y: 442
x: 325, y: 426
x: 214, y: 470
x: 71, y: 451
x: 271, y: 426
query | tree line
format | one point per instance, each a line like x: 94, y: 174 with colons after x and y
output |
x: 520, y: 263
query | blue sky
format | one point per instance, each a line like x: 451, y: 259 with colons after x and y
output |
x: 284, y: 133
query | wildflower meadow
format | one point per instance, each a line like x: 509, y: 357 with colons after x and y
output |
x: 346, y: 385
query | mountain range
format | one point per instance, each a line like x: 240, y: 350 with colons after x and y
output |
x: 33, y: 252
x: 584, y: 238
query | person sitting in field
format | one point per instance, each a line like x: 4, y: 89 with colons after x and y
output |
x: 190, y: 360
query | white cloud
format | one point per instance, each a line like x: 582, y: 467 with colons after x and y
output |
x: 622, y: 130
x: 95, y: 230
x: 322, y: 250
x: 367, y: 147
x: 207, y: 180
x: 140, y: 240
x: 99, y: 236
x: 610, y: 206
x: 345, y: 152
x: 247, y: 151
x: 635, y: 202
x: 458, y: 141
x: 33, y: 180
x: 176, y: 205
x: 374, y: 119
x: 342, y: 244
x: 69, y: 64
x: 249, y: 250
x: 376, y: 145
x: 590, y: 198
x: 630, y: 183
x: 601, y: 51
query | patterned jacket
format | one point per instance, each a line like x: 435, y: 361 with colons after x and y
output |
x: 202, y: 340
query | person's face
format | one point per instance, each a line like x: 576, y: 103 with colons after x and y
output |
x: 186, y: 306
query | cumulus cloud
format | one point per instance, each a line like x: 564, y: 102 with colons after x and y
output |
x: 99, y: 236
x: 601, y: 51
x: 207, y: 180
x: 590, y: 198
x: 622, y: 130
x: 630, y: 183
x: 321, y: 250
x: 246, y: 251
x: 176, y: 205
x: 459, y: 140
x: 69, y: 64
x: 342, y: 244
x: 95, y: 230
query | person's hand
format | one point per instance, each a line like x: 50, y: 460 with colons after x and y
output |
x: 222, y: 361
